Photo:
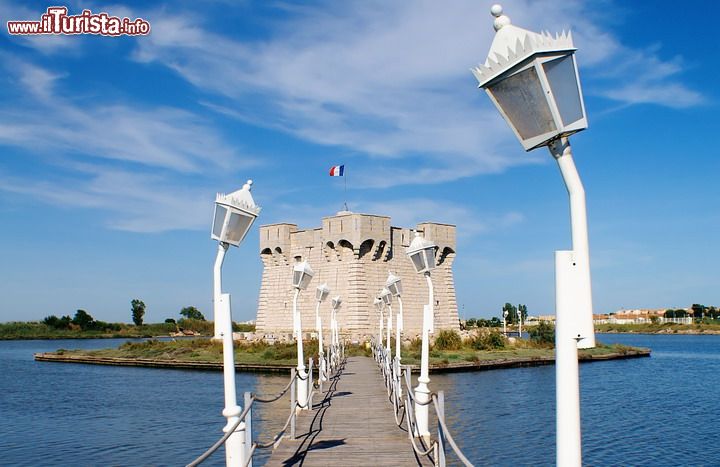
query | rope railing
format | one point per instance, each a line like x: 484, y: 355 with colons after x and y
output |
x: 439, y: 405
x: 394, y: 376
x: 337, y: 355
x: 222, y: 439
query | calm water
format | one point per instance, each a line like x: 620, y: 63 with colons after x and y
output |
x: 653, y: 411
x: 88, y: 415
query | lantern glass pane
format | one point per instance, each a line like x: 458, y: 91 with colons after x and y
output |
x: 563, y: 82
x: 305, y: 281
x: 523, y: 101
x: 237, y: 227
x: 417, y: 261
x: 220, y: 212
x: 297, y: 275
x: 430, y: 258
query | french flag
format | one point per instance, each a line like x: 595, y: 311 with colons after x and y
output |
x: 337, y: 171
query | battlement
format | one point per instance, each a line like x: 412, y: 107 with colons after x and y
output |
x: 353, y: 253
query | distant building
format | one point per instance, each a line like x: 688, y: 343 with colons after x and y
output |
x: 353, y: 254
x: 640, y: 316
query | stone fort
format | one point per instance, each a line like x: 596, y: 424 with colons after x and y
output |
x: 353, y: 254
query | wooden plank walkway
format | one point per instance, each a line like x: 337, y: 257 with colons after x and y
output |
x: 353, y: 425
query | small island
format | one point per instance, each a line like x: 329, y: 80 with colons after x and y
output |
x: 483, y: 350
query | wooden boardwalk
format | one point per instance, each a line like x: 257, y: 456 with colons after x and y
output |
x: 352, y: 425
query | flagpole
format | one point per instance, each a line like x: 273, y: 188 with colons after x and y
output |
x: 345, y: 177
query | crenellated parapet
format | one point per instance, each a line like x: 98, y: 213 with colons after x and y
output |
x: 353, y: 254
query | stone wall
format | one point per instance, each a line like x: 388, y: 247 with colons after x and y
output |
x: 353, y: 254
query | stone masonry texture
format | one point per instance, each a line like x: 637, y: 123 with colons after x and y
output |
x: 353, y: 254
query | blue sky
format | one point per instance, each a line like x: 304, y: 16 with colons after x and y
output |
x: 112, y: 149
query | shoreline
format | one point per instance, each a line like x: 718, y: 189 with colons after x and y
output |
x: 482, y: 365
x: 521, y: 362
x: 101, y: 336
x: 670, y: 332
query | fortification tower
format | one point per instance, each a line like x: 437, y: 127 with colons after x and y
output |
x: 353, y: 254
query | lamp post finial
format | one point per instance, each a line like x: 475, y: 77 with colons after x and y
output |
x: 500, y: 20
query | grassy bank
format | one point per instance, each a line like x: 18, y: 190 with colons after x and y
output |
x: 709, y: 327
x: 40, y: 330
x: 285, y: 354
x: 522, y: 351
x: 206, y: 350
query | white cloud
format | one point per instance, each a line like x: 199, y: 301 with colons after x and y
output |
x: 130, y: 201
x: 38, y: 81
x: 412, y: 211
x: 164, y: 137
x: 383, y: 79
x: 390, y: 79
x: 134, y: 163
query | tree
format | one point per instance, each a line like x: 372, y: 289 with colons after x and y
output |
x: 512, y: 316
x: 471, y: 323
x: 58, y: 323
x: 190, y: 312
x: 83, y: 319
x: 698, y: 310
x: 523, y: 312
x: 170, y: 321
x: 138, y: 311
x: 670, y: 313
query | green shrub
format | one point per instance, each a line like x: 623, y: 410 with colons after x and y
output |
x: 415, y: 344
x: 203, y: 327
x: 238, y: 327
x: 488, y: 340
x: 448, y: 339
x: 543, y: 333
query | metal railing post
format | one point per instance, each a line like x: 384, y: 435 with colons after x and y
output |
x: 293, y: 402
x: 310, y: 386
x: 440, y: 456
x: 321, y: 375
x: 248, y: 429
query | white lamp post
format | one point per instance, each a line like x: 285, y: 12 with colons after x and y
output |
x: 379, y: 307
x: 321, y: 294
x: 519, y: 314
x: 335, y: 303
x: 302, y: 275
x: 533, y: 81
x: 505, y: 313
x: 394, y: 285
x: 386, y: 297
x: 422, y: 255
x: 234, y: 214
